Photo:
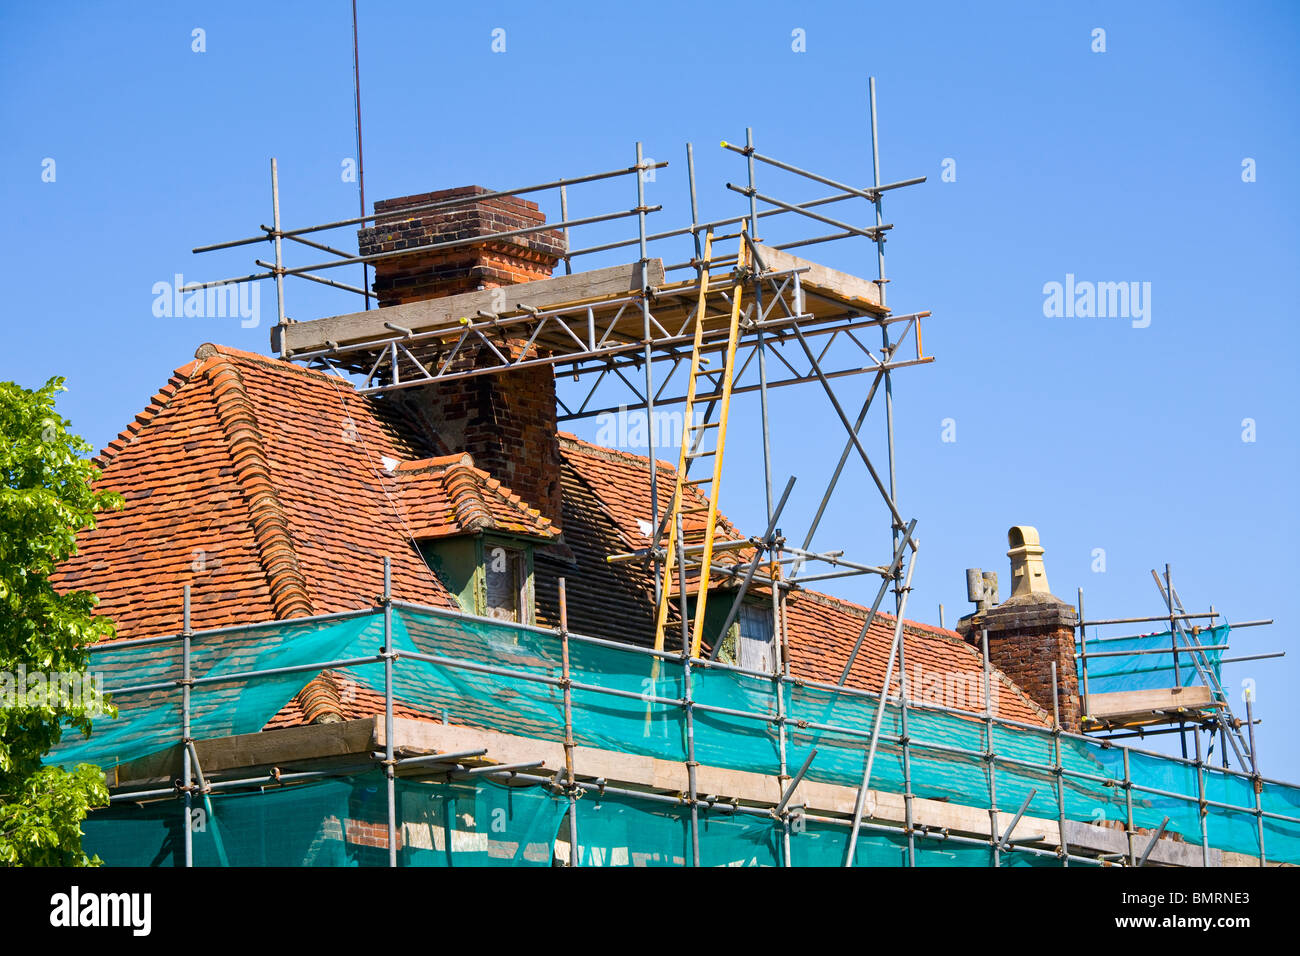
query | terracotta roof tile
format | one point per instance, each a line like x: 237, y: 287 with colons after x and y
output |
x: 276, y: 491
x: 448, y: 495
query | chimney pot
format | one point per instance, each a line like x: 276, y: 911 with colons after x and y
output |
x: 1028, y: 575
x: 991, y: 588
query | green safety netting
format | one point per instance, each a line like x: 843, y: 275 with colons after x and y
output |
x: 733, y: 728
x: 1156, y: 667
x: 338, y: 823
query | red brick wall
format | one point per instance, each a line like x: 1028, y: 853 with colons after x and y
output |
x: 489, y: 265
x: 506, y: 421
x: 1026, y: 635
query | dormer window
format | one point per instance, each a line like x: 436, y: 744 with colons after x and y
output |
x: 475, y: 534
x: 490, y: 575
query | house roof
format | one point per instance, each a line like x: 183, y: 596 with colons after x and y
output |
x: 267, y: 488
x: 276, y: 491
x: 821, y: 629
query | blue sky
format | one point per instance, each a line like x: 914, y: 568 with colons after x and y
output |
x: 1115, y: 166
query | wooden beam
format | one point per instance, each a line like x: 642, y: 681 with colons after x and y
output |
x: 429, y: 314
x: 1151, y: 706
x: 841, y: 285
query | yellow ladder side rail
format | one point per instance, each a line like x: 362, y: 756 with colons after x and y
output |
x: 670, y: 557
x: 733, y: 335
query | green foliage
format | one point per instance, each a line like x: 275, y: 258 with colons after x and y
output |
x: 46, y: 498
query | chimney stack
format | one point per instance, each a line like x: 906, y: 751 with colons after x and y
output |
x: 462, y: 268
x: 506, y: 420
x: 1029, y: 631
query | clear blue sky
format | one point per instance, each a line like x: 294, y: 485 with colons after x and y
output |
x: 1117, y: 166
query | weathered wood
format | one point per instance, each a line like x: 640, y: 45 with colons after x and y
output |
x: 1146, y: 705
x: 315, y: 742
x: 429, y: 314
x: 840, y: 285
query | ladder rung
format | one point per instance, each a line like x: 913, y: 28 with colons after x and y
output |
x: 699, y: 509
x: 696, y: 482
x: 700, y: 454
x: 706, y: 425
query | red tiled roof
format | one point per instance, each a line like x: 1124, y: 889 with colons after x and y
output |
x: 622, y: 482
x: 821, y: 633
x: 448, y: 495
x: 265, y: 487
x: 276, y: 491
x: 821, y: 629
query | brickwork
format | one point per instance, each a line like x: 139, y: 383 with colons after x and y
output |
x: 505, y: 421
x: 1026, y: 634
x: 487, y: 265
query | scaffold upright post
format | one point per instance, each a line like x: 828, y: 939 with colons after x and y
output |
x: 989, y: 756
x: 571, y: 779
x: 886, y: 348
x: 390, y: 762
x: 760, y: 345
x: 186, y: 769
x: 1057, y: 771
x: 648, y: 357
x: 279, y: 259
x: 1128, y: 809
x: 1202, y: 809
x: 905, y: 744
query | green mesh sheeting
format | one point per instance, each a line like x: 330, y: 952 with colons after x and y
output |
x: 627, y: 831
x: 1151, y: 671
x: 734, y: 728
x: 149, y: 721
x: 337, y: 823
x: 481, y: 824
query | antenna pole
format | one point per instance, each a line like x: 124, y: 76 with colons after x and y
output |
x: 361, y: 163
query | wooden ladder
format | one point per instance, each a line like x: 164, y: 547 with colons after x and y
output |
x: 693, y: 435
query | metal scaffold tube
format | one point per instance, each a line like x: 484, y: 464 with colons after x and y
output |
x: 881, y: 706
x: 186, y: 782
x: 390, y: 761
x: 989, y: 756
x: 569, y: 774
x: 566, y: 778
x: 1057, y: 770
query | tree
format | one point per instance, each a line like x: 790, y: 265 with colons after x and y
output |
x: 46, y: 499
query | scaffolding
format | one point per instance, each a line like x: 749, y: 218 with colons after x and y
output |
x: 628, y: 328
x: 606, y: 325
x: 1167, y: 682
x: 558, y: 717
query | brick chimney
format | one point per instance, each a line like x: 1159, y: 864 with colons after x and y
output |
x: 506, y: 421
x: 1030, y: 630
